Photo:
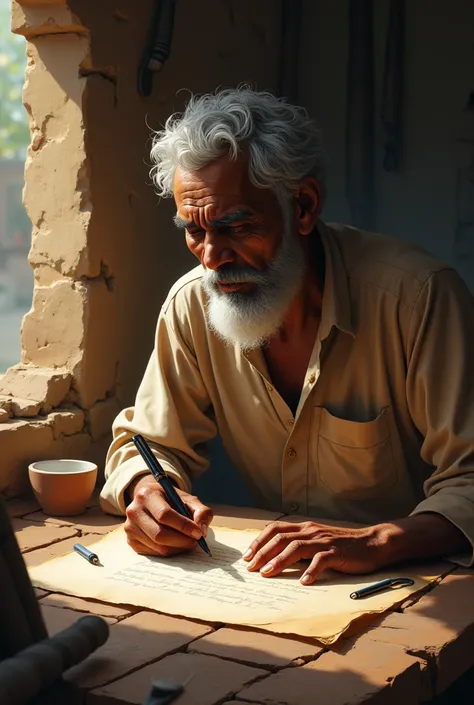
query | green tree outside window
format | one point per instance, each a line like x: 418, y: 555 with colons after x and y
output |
x: 14, y: 133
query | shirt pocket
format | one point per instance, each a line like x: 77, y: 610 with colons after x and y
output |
x: 355, y: 459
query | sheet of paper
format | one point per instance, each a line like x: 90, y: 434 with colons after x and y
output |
x: 221, y: 589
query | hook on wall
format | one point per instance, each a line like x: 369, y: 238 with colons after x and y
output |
x: 158, y: 46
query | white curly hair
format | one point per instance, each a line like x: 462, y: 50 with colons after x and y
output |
x: 284, y: 144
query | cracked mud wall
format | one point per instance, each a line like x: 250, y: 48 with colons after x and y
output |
x: 104, y: 250
x: 214, y: 43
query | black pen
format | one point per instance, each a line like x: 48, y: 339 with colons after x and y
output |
x: 160, y: 476
x: 381, y: 585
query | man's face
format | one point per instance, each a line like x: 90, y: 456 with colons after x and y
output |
x: 247, y: 245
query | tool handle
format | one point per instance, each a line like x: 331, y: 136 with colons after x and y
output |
x: 163, y: 692
x: 24, y: 675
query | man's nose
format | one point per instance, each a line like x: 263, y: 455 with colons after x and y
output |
x: 216, y: 252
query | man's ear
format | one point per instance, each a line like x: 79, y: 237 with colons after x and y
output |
x: 307, y: 201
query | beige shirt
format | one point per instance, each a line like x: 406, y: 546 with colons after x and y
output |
x: 385, y: 423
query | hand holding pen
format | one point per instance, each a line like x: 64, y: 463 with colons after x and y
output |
x: 157, y: 523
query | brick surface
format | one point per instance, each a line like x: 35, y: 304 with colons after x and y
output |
x: 93, y: 521
x: 60, y: 548
x: 56, y: 620
x: 49, y: 386
x: 365, y: 671
x: 101, y: 417
x: 386, y: 665
x: 440, y: 625
x: 450, y: 601
x: 31, y: 535
x: 75, y: 446
x: 442, y: 569
x: 19, y: 506
x: 242, y: 517
x: 214, y: 679
x: 5, y: 403
x: 135, y: 641
x: 66, y: 421
x: 21, y: 442
x: 25, y: 407
x: 449, y: 650
x: 89, y: 606
x: 40, y: 593
x: 255, y: 648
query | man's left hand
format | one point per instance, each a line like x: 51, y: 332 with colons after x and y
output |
x: 282, y: 544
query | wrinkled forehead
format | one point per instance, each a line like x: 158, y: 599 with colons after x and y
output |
x: 217, y: 188
x: 223, y: 178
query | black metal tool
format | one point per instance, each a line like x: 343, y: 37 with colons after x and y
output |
x: 163, y: 692
x: 158, y: 46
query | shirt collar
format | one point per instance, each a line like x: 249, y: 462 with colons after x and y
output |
x: 336, y: 310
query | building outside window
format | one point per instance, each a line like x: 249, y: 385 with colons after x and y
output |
x: 16, y: 277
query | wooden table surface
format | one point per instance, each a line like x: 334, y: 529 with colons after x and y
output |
x: 411, y: 655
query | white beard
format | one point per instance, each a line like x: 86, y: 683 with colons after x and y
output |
x: 250, y: 318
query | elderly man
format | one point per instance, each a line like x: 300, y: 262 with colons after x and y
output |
x: 337, y: 365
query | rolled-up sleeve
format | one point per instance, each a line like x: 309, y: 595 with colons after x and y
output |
x: 440, y: 394
x: 172, y: 411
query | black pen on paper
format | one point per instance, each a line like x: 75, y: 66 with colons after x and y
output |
x: 160, y: 476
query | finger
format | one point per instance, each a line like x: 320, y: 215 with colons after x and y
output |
x: 277, y: 527
x: 136, y: 536
x: 162, y: 535
x: 294, y: 552
x: 141, y: 543
x: 321, y: 562
x: 157, y: 506
x: 273, y: 548
x: 162, y: 551
x: 202, y: 515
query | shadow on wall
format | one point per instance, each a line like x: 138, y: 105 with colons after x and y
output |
x: 221, y: 484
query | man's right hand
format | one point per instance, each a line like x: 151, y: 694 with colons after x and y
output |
x: 154, y: 528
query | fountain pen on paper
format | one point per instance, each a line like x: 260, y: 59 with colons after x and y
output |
x: 380, y: 586
x: 160, y: 476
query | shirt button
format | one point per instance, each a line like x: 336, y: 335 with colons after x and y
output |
x: 311, y: 379
x: 291, y: 453
x: 291, y: 422
x: 270, y: 388
x: 294, y: 507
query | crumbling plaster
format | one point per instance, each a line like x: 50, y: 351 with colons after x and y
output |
x: 103, y: 251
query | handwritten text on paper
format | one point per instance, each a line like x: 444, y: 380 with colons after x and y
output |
x: 220, y: 578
